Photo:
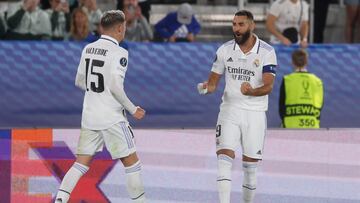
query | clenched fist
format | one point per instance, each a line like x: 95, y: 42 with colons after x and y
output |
x: 139, y: 113
x: 246, y: 88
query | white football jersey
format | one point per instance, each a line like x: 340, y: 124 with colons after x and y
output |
x: 288, y: 15
x: 100, y: 61
x: 239, y: 67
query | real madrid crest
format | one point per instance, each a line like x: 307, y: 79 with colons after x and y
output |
x: 256, y: 63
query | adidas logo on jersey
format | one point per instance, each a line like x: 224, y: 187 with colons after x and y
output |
x: 259, y: 152
x: 230, y: 60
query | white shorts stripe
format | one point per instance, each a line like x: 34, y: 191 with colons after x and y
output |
x: 128, y: 140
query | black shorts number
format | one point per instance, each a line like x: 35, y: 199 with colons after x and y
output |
x: 218, y: 130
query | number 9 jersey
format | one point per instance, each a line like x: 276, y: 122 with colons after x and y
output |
x: 102, y: 62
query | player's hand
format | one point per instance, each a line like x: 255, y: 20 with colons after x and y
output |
x: 139, y: 113
x: 202, y: 88
x: 246, y: 88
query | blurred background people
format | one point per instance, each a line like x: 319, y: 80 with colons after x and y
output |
x: 288, y: 22
x: 145, y: 6
x: 26, y: 21
x: 137, y: 27
x: 180, y: 25
x: 320, y: 15
x: 93, y: 13
x: 301, y: 95
x: 79, y: 29
x: 59, y: 14
x: 2, y: 26
x: 352, y: 19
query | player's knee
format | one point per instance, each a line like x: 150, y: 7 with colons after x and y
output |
x: 130, y: 160
x: 227, y: 152
x: 249, y: 159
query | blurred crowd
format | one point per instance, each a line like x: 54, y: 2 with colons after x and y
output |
x: 78, y: 20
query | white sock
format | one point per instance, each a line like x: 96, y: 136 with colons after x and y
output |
x: 69, y: 182
x: 134, y: 184
x: 224, y: 177
x: 249, y: 182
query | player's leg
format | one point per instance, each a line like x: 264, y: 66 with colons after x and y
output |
x: 227, y: 139
x: 89, y: 143
x: 253, y: 135
x: 119, y: 140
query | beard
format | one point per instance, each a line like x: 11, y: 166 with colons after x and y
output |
x: 242, y: 38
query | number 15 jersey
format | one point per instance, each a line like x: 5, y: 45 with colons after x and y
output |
x: 101, y: 61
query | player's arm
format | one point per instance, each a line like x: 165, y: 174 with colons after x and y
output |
x: 80, y: 80
x: 117, y: 89
x: 212, y: 82
x: 210, y: 85
x: 268, y: 77
x: 217, y: 70
x: 268, y: 80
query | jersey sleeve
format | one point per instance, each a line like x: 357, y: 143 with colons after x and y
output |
x: 275, y: 9
x: 270, y: 62
x: 120, y: 64
x: 80, y: 80
x: 219, y: 63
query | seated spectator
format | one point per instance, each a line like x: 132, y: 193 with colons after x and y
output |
x: 26, y: 21
x: 79, y: 29
x: 352, y: 18
x: 288, y: 22
x: 59, y: 14
x: 301, y: 95
x: 93, y: 13
x: 137, y: 27
x: 178, y: 26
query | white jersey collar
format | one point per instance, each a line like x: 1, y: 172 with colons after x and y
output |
x: 107, y: 37
x: 255, y: 48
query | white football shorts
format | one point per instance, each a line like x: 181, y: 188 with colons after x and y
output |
x: 237, y: 127
x: 118, y: 139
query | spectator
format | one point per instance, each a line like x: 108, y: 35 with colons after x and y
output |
x: 352, y: 17
x: 79, y: 29
x: 178, y: 26
x: 301, y: 95
x: 27, y: 21
x: 145, y: 6
x: 320, y: 14
x: 137, y: 27
x: 59, y: 14
x: 93, y: 13
x: 287, y: 21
